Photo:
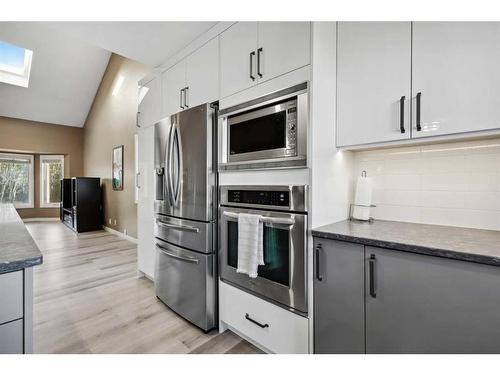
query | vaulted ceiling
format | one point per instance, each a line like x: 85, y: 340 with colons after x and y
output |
x: 69, y: 60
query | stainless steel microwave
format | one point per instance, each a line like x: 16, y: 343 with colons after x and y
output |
x: 267, y: 132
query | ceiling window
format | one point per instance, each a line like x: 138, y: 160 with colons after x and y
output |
x: 15, y: 64
x: 16, y: 180
x: 51, y: 173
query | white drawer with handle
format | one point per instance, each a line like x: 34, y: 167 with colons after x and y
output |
x: 268, y: 325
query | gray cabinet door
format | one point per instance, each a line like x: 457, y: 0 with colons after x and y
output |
x: 338, y: 297
x: 425, y: 304
x: 11, y: 337
x: 11, y: 296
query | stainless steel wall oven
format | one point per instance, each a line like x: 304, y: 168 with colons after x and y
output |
x: 283, y: 210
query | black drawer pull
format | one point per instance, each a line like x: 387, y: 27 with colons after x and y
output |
x: 247, y: 317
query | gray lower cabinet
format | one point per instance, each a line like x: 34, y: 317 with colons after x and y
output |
x: 11, y: 296
x: 374, y: 300
x: 11, y: 337
x: 425, y: 304
x: 338, y: 297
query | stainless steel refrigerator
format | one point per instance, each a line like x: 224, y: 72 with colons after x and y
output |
x: 185, y: 214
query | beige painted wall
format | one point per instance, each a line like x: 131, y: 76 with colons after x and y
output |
x: 41, y: 138
x: 111, y: 123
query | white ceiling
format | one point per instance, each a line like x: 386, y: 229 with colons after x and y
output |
x: 65, y: 76
x: 151, y: 43
x: 69, y: 60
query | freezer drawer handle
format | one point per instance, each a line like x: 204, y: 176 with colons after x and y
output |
x: 183, y: 228
x: 247, y: 317
x: 265, y: 219
x: 175, y: 256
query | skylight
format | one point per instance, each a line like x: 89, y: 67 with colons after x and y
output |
x: 15, y: 64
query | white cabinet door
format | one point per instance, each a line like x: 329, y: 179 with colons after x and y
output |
x: 202, y: 74
x: 373, y: 75
x: 283, y: 47
x: 456, y: 70
x: 150, y: 103
x: 238, y: 49
x: 173, y: 81
x: 145, y: 206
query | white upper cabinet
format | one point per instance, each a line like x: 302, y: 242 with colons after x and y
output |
x: 192, y: 81
x: 149, y: 103
x: 238, y: 57
x: 373, y: 82
x: 283, y: 47
x: 456, y: 71
x: 173, y: 85
x: 202, y: 74
x: 254, y: 52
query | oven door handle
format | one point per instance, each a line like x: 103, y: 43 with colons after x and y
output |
x: 183, y: 228
x: 265, y: 219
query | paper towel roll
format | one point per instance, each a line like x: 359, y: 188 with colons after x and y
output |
x: 363, y: 197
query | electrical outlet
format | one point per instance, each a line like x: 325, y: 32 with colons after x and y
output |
x: 115, y: 221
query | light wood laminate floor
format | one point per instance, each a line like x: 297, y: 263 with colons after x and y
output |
x: 88, y: 299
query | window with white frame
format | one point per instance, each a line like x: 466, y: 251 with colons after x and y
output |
x: 16, y: 179
x: 15, y: 64
x: 51, y: 173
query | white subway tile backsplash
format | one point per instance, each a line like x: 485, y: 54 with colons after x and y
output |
x: 447, y: 184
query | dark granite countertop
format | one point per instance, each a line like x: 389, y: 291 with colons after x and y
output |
x: 474, y: 245
x: 17, y: 248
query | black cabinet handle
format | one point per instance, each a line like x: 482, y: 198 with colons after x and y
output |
x: 180, y: 98
x: 402, y: 114
x: 252, y: 54
x: 419, y: 127
x: 247, y: 317
x: 372, y: 276
x: 260, y: 51
x: 318, y: 263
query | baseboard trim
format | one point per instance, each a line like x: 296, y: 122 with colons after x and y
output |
x: 32, y: 219
x: 120, y: 234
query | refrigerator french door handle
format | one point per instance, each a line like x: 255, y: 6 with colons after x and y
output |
x: 176, y: 140
x: 175, y: 256
x: 168, y: 166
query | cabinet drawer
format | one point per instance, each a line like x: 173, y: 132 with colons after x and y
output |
x: 11, y: 337
x: 285, y: 332
x: 11, y: 296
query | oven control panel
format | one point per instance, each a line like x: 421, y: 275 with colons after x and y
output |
x: 259, y: 197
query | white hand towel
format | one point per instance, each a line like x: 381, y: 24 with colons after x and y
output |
x: 250, y: 244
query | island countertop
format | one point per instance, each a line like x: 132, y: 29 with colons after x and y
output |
x: 474, y: 245
x: 18, y: 250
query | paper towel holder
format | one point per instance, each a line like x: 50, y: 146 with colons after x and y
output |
x: 352, y: 205
x: 352, y: 218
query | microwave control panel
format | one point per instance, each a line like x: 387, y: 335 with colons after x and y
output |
x: 291, y: 115
x: 264, y: 198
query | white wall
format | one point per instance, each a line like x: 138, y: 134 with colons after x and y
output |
x: 450, y: 184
